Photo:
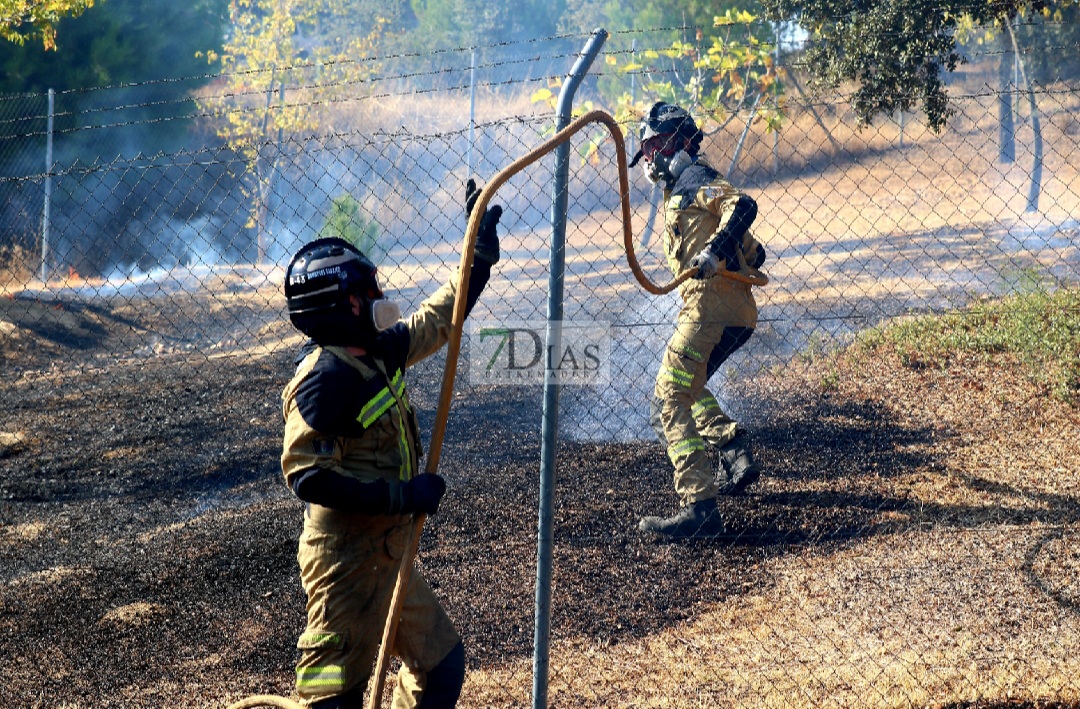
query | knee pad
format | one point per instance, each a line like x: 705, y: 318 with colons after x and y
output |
x: 444, y: 681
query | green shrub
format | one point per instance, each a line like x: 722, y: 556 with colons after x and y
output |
x: 1038, y: 327
x: 347, y: 220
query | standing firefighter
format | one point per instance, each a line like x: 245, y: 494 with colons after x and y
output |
x: 351, y: 452
x: 707, y: 227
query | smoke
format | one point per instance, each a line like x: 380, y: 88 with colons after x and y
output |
x: 143, y: 182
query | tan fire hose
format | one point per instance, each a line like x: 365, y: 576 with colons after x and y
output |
x: 624, y: 198
x: 454, y: 348
x: 266, y: 700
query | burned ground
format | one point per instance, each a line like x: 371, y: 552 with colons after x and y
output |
x: 148, y: 542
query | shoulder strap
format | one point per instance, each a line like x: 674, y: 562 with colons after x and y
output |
x: 353, y: 362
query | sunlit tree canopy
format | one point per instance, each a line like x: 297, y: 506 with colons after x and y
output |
x: 21, y: 20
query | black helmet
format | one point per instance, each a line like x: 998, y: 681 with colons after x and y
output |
x: 318, y: 282
x: 666, y: 118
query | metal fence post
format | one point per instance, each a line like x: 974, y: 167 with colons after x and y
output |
x: 472, y: 110
x: 46, y: 214
x: 776, y: 93
x: 550, y: 423
x: 632, y: 146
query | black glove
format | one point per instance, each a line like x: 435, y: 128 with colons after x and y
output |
x: 487, y: 236
x: 725, y: 246
x: 422, y: 493
x: 728, y: 240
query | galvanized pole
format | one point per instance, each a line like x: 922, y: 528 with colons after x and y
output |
x: 472, y: 109
x: 633, y: 91
x: 776, y: 93
x: 550, y: 424
x: 46, y: 219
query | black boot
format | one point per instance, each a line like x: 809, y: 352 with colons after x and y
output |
x: 699, y: 520
x: 738, y: 466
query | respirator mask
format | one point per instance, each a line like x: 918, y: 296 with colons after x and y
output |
x: 384, y: 314
x: 667, y: 167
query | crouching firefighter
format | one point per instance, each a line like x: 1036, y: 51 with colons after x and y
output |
x: 351, y: 452
x: 707, y: 227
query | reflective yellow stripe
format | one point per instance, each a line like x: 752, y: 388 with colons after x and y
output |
x: 398, y: 383
x: 687, y: 349
x: 375, y: 408
x: 317, y: 638
x: 680, y: 377
x: 704, y: 404
x: 683, y: 448
x: 324, y: 676
x: 382, y: 401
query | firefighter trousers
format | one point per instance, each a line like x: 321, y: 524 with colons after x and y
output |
x: 348, y: 567
x: 686, y: 416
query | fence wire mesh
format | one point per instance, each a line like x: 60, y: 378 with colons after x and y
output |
x: 882, y: 562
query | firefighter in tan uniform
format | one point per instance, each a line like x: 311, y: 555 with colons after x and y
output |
x: 707, y: 227
x: 351, y: 452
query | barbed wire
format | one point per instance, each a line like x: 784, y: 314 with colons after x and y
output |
x: 1038, y: 88
x: 380, y: 58
x: 179, y: 274
x: 357, y: 138
x: 392, y: 57
x: 273, y: 106
x: 406, y: 76
x: 836, y: 98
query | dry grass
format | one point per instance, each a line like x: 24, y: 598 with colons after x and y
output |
x: 927, y: 513
x: 16, y: 269
x: 974, y: 594
x: 930, y: 555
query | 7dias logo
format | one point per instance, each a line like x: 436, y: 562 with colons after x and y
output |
x: 519, y: 352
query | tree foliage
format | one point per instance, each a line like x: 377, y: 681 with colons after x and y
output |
x: 118, y: 41
x: 21, y: 20
x: 728, y: 72
x: 284, y: 62
x: 1043, y: 34
x: 672, y: 14
x: 113, y: 43
x: 895, y: 52
x: 346, y: 220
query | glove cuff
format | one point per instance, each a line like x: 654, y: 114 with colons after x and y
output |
x: 400, y: 499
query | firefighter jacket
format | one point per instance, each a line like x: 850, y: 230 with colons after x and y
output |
x: 351, y: 415
x: 696, y: 207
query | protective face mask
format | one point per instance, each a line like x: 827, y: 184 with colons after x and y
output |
x: 679, y: 162
x: 384, y: 313
x: 667, y: 167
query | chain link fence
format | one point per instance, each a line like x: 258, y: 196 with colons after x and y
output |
x: 164, y: 268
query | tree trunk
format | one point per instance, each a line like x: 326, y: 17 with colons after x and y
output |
x: 1006, y: 128
x: 1036, y: 168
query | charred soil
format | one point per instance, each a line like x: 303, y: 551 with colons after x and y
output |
x: 148, y: 542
